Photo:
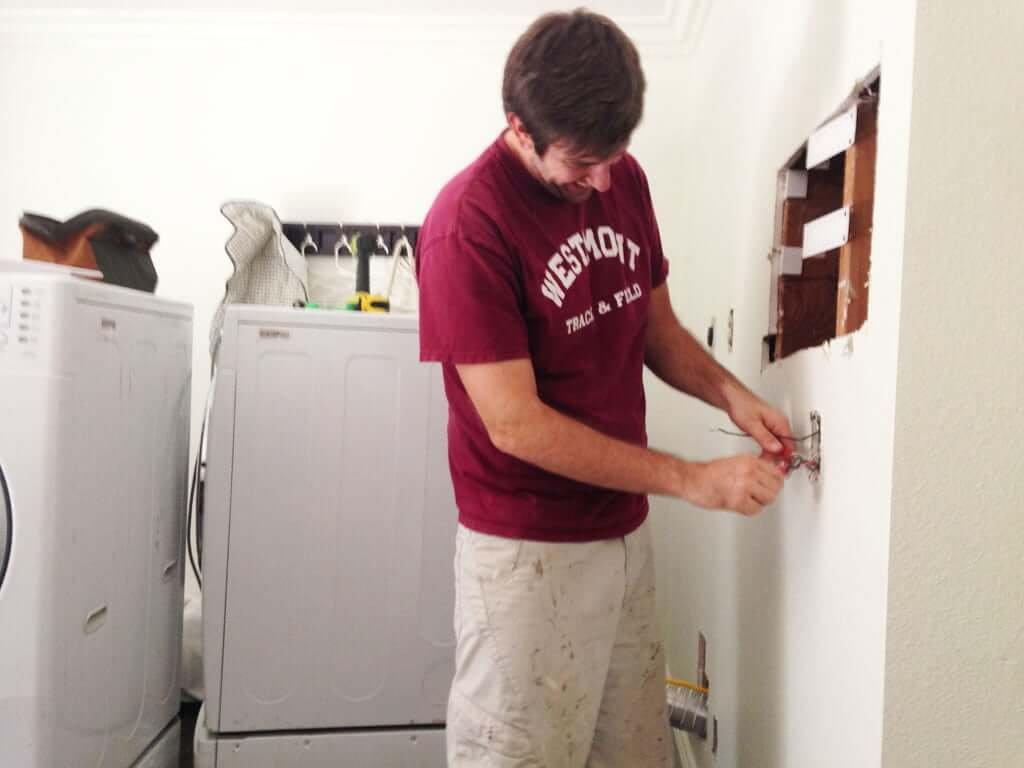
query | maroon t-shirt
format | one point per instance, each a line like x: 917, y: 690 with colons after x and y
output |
x: 507, y: 270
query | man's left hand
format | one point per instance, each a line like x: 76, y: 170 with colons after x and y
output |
x: 767, y: 425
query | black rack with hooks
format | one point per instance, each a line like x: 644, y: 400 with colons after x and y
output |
x: 325, y: 237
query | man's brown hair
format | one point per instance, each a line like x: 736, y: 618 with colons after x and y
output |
x: 575, y: 77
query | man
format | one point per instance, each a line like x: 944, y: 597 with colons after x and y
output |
x: 542, y: 288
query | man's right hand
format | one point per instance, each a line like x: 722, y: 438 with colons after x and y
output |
x: 744, y: 484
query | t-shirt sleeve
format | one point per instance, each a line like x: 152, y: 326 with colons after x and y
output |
x: 659, y: 264
x: 471, y: 302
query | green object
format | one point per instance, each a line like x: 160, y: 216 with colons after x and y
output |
x: 331, y: 307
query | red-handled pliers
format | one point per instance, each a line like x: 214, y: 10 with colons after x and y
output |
x: 788, y: 460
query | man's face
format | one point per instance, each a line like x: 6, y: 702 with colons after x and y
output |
x: 572, y: 175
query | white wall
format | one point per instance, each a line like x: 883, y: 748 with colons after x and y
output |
x: 954, y: 691
x: 794, y: 602
x: 326, y: 112
x: 355, y: 111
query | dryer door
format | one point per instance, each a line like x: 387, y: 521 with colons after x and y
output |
x: 6, y: 526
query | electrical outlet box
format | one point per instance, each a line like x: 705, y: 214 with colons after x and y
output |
x: 815, y: 449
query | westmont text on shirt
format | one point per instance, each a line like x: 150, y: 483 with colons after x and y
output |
x: 577, y: 253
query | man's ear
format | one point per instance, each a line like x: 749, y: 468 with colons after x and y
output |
x: 523, y: 137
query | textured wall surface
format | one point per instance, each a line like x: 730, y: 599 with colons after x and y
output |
x: 954, y: 686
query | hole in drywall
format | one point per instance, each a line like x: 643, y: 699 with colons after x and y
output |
x: 822, y: 251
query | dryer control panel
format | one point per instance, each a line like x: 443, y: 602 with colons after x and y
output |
x: 22, y: 305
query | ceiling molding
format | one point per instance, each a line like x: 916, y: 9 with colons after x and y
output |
x: 661, y: 23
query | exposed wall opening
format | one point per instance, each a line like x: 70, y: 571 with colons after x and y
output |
x: 821, y: 255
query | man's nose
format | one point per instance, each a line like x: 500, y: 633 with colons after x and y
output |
x: 600, y: 177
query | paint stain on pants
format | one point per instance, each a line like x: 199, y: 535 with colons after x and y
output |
x: 558, y: 662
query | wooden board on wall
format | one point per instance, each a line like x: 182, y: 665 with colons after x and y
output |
x: 807, y: 305
x: 807, y: 302
x: 858, y: 193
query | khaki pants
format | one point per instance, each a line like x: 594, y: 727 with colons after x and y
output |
x: 558, y: 662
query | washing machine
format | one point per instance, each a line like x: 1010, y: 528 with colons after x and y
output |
x: 94, y: 424
x: 328, y: 541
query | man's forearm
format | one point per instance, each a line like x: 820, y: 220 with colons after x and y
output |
x: 681, y: 361
x: 559, y: 444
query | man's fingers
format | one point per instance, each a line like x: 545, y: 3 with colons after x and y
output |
x: 752, y: 483
x: 778, y: 425
x: 772, y: 467
x: 749, y: 507
x: 764, y: 483
x: 764, y: 437
x: 775, y: 478
x: 764, y: 494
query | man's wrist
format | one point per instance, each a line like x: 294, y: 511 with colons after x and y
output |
x: 732, y: 393
x: 680, y: 477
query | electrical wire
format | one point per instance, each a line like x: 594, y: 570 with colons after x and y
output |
x: 791, y: 439
x: 193, y: 492
x: 796, y: 461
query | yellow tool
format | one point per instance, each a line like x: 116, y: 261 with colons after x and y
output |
x: 368, y: 302
x: 363, y: 300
